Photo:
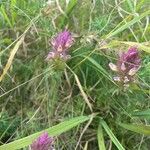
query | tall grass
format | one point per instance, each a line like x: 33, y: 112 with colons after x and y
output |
x: 37, y: 96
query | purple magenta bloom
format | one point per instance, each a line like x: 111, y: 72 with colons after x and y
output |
x: 44, y: 142
x: 129, y: 60
x: 60, y: 45
x: 127, y: 65
x: 63, y: 41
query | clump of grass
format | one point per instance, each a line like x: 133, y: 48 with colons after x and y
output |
x: 36, y: 95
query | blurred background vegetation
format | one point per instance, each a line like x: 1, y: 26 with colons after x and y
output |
x: 35, y: 94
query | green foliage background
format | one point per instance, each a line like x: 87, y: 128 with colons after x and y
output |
x: 35, y: 94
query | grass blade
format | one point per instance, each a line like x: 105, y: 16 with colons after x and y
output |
x: 83, y: 93
x: 128, y: 24
x: 11, y: 57
x: 139, y: 45
x: 99, y: 68
x: 142, y: 129
x: 142, y: 114
x: 2, y: 9
x: 53, y: 131
x: 100, y: 137
x: 86, y: 146
x: 71, y: 5
x: 129, y: 2
x: 81, y: 89
x: 69, y: 9
x: 96, y: 65
x: 111, y: 135
x: 114, y: 43
x: 13, y: 12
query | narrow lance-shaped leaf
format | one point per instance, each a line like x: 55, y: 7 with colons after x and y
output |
x: 3, y: 11
x: 111, y: 135
x: 115, y: 43
x: 64, y: 19
x: 53, y: 131
x: 97, y: 66
x: 128, y: 24
x: 139, y: 45
x: 142, y: 114
x: 11, y: 57
x: 100, y: 138
x: 142, y: 129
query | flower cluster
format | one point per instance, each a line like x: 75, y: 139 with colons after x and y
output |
x: 60, y: 45
x: 127, y: 66
x: 44, y: 142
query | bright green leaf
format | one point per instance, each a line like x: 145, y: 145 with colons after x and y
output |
x: 53, y: 131
x: 139, y: 45
x: 143, y: 114
x: 111, y: 135
x: 69, y: 9
x: 6, y: 17
x: 142, y: 129
x: 128, y: 24
x: 100, y: 138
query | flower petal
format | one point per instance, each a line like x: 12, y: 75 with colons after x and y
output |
x: 113, y: 67
x: 117, y: 79
x: 123, y: 67
x: 133, y: 71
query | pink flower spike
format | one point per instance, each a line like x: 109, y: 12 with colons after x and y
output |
x: 60, y: 45
x: 127, y: 66
x: 130, y: 59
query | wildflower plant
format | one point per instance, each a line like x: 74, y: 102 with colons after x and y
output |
x: 127, y: 66
x: 57, y: 57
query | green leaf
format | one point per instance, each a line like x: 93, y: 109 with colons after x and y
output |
x: 142, y: 129
x: 128, y: 24
x: 111, y: 135
x: 6, y: 17
x: 96, y: 65
x: 64, y: 19
x: 71, y: 5
x: 99, y: 68
x: 53, y: 131
x: 139, y: 45
x: 115, y: 43
x: 13, y: 12
x: 100, y: 138
x: 129, y: 2
x: 139, y: 5
x: 143, y: 114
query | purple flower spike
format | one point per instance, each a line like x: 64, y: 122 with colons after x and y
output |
x: 127, y: 65
x: 44, y: 142
x: 60, y: 45
x: 129, y: 60
x: 63, y: 41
